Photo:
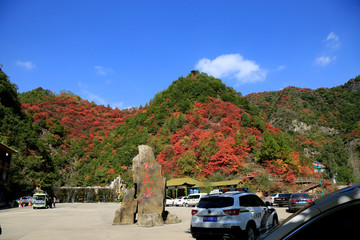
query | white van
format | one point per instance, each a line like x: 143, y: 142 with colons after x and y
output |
x: 194, y: 198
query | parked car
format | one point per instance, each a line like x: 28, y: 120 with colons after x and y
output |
x: 25, y: 201
x: 331, y: 216
x: 269, y: 200
x: 169, y: 201
x: 298, y: 201
x: 231, y: 215
x: 282, y: 199
x: 193, y: 199
x: 180, y: 201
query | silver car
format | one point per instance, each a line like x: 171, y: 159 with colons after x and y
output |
x: 333, y: 216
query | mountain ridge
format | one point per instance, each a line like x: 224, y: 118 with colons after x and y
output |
x: 197, y: 127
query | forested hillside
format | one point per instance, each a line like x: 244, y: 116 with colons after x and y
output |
x: 324, y: 122
x: 197, y: 127
x: 32, y: 165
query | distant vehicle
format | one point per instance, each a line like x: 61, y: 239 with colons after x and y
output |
x: 269, y: 200
x: 282, y: 199
x: 298, y: 201
x: 41, y: 200
x: 169, y: 201
x: 180, y: 201
x: 193, y: 199
x: 25, y: 201
x: 231, y: 215
x: 332, y: 216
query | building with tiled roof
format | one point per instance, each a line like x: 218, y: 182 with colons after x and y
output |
x: 177, y: 187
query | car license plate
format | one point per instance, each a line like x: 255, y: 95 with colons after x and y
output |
x: 302, y: 202
x: 210, y: 219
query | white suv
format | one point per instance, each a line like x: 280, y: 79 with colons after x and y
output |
x: 194, y: 198
x: 269, y: 200
x: 232, y: 215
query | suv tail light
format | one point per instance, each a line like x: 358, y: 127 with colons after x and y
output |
x: 193, y: 212
x: 232, y: 211
x: 310, y: 200
x: 293, y: 201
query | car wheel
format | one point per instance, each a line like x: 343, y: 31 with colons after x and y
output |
x: 200, y: 238
x: 250, y: 233
x: 275, y: 221
x: 231, y: 237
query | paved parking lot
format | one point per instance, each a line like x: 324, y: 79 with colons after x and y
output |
x: 90, y: 221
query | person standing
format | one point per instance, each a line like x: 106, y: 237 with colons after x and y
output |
x: 54, y: 201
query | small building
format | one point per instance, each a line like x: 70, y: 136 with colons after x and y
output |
x: 5, y: 158
x: 178, y: 187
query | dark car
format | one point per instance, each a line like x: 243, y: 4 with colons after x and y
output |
x: 282, y: 199
x: 332, y: 216
x: 298, y: 201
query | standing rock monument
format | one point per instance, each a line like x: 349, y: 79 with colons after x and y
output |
x: 145, y: 204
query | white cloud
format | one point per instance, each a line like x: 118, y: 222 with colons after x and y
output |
x: 119, y: 105
x: 324, y: 60
x: 28, y: 65
x: 232, y: 66
x: 103, y: 71
x: 89, y: 95
x: 281, y: 67
x: 333, y: 40
x: 93, y: 97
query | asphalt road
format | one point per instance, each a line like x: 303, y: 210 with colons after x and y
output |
x: 90, y: 221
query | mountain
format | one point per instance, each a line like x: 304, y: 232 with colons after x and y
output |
x: 197, y: 127
x: 317, y: 119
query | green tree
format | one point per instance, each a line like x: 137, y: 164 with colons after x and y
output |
x: 187, y: 163
x: 275, y: 146
x: 336, y: 159
x: 245, y: 120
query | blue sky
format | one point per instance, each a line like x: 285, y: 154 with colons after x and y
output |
x: 121, y: 53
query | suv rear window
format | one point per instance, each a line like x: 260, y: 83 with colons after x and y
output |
x: 216, y: 202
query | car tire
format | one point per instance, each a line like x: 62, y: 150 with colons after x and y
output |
x: 250, y: 233
x: 200, y: 238
x: 275, y: 221
x: 231, y: 237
